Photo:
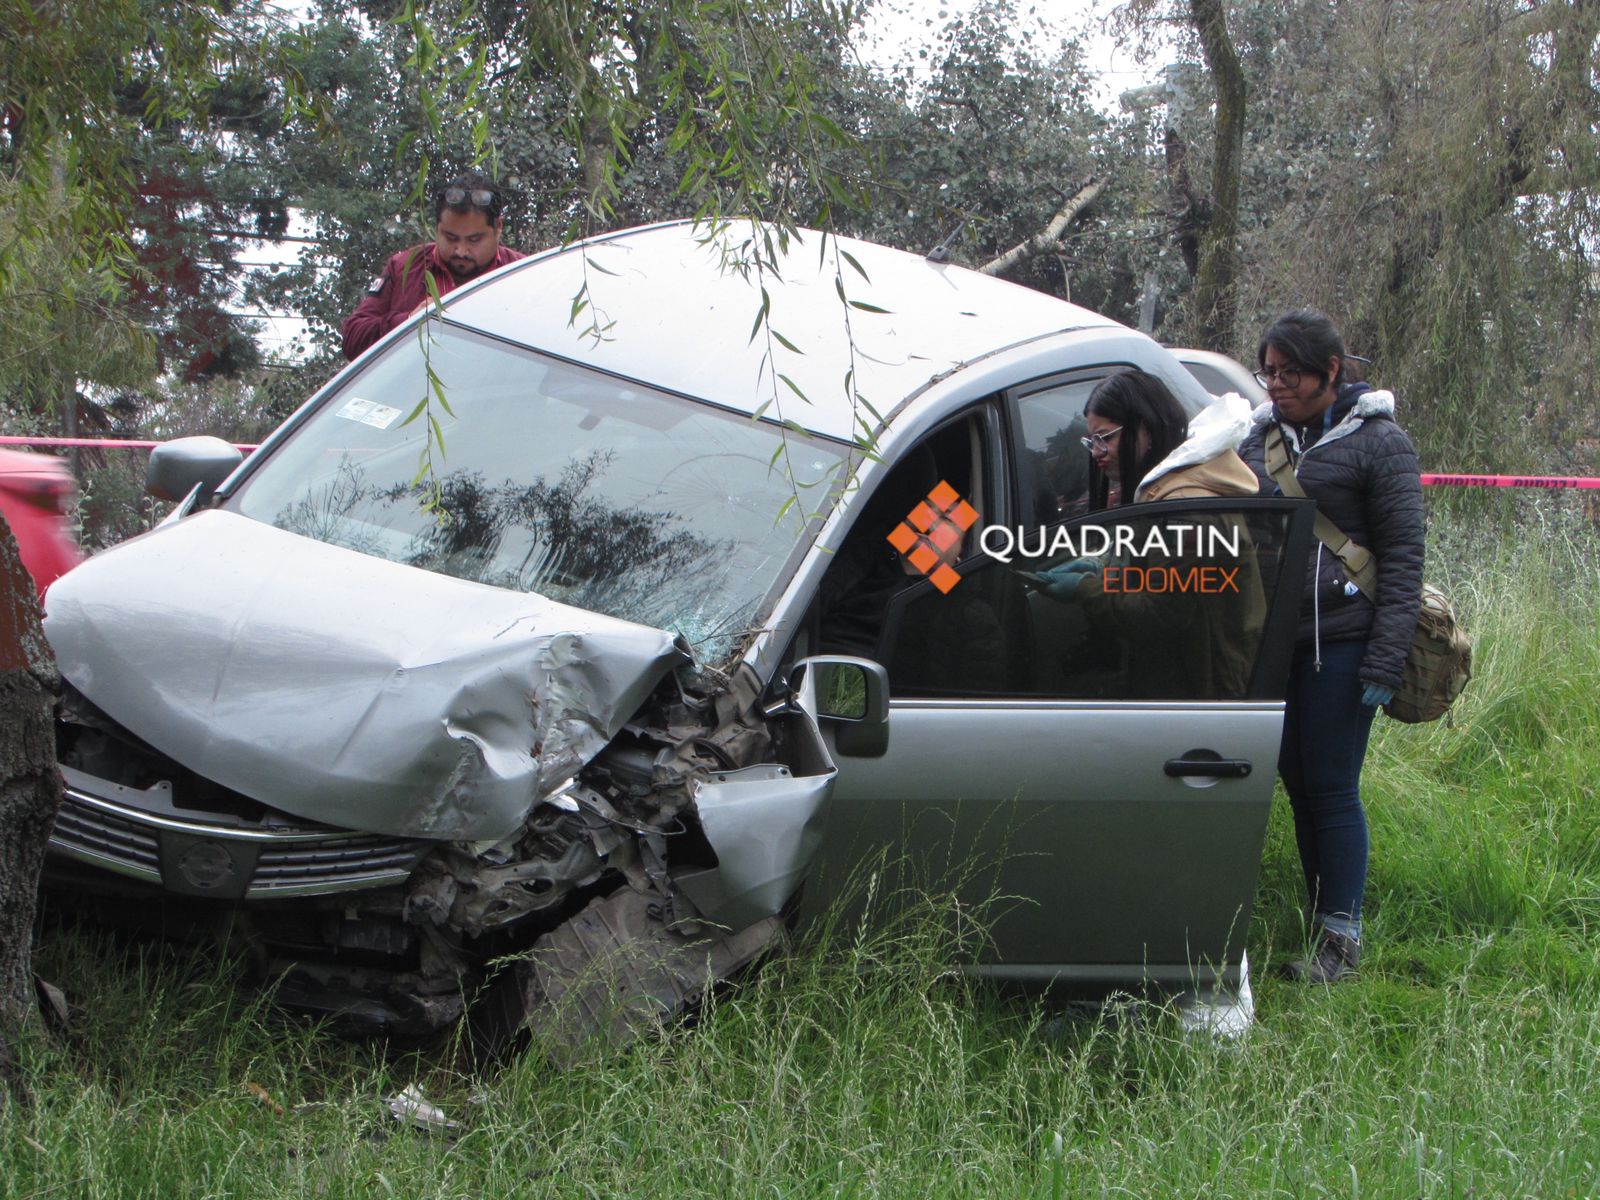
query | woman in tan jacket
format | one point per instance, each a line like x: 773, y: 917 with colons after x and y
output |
x: 1142, y: 448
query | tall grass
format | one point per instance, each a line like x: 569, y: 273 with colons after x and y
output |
x: 1464, y: 1062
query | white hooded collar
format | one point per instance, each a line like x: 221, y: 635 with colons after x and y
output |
x: 1218, y: 427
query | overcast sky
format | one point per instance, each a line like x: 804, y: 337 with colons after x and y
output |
x: 897, y: 30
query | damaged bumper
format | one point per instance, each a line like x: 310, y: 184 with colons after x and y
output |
x: 140, y: 834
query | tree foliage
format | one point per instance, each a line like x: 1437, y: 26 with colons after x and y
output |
x: 1425, y: 173
x: 982, y: 144
x: 593, y: 116
x: 123, y: 190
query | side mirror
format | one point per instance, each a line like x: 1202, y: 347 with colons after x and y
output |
x: 177, y: 467
x: 852, y: 693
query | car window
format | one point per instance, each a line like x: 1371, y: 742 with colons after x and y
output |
x: 1213, y: 380
x: 1172, y: 607
x: 593, y: 491
x: 1052, y: 467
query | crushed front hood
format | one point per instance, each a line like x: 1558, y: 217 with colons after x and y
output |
x: 343, y: 688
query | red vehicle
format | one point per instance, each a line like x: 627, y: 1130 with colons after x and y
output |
x: 36, y: 493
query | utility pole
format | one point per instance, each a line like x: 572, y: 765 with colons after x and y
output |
x: 1147, y: 304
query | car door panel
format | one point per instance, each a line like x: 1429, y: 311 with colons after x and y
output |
x: 1096, y: 781
x: 1058, y: 821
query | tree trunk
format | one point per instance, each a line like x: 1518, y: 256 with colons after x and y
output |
x: 30, y: 788
x: 1217, y: 279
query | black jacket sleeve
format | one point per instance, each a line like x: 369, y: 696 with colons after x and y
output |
x: 1392, y: 503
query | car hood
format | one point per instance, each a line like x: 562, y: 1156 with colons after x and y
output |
x: 343, y: 688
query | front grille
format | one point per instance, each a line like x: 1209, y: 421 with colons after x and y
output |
x: 267, y: 863
x: 106, y: 839
x: 336, y: 864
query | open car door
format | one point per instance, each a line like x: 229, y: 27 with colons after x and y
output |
x: 1093, y: 764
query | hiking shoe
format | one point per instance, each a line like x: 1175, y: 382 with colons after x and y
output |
x: 1333, y: 961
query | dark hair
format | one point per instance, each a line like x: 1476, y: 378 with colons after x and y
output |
x: 1137, y: 402
x: 467, y: 183
x: 1308, y: 339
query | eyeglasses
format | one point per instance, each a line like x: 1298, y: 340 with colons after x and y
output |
x: 455, y: 197
x: 1288, y: 376
x: 1100, y: 441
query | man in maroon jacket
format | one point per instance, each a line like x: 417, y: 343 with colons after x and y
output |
x: 468, y: 217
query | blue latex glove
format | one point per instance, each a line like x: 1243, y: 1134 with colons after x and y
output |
x: 1062, y: 582
x: 1376, y: 696
x: 1076, y: 566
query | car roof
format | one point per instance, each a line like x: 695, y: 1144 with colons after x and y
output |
x: 680, y: 305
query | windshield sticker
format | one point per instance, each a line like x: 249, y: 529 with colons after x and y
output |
x: 369, y: 412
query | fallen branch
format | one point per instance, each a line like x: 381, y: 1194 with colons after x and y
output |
x: 1047, y: 237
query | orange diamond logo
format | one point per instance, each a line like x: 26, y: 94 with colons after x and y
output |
x: 930, y: 536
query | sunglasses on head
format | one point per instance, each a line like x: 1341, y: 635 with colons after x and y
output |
x: 454, y: 197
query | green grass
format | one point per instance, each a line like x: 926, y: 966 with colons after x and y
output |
x: 1465, y: 1062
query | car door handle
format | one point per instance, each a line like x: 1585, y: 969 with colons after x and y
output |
x: 1208, y: 765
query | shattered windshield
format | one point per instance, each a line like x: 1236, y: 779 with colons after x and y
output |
x: 592, y: 491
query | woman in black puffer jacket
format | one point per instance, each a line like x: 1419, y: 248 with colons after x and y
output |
x: 1358, y: 465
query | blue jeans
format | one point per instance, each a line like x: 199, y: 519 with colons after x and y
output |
x: 1325, y: 728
